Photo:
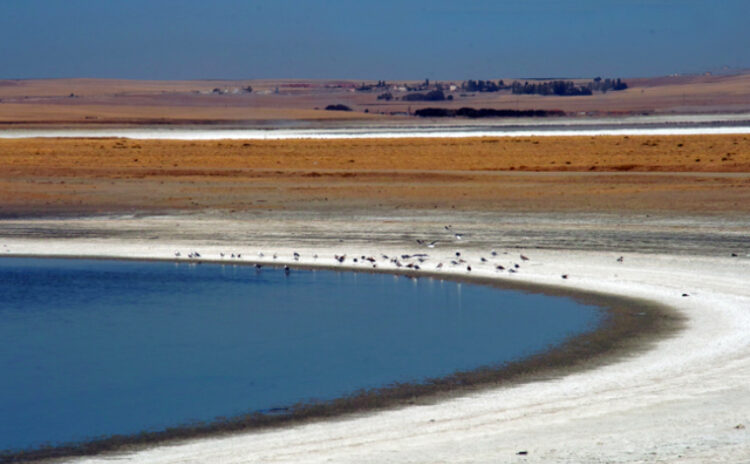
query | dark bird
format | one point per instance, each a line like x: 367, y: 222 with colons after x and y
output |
x: 493, y: 253
x: 178, y: 254
x: 524, y: 258
x: 286, y: 270
x: 500, y: 268
x: 458, y: 253
x: 420, y: 242
x: 483, y: 259
x: 564, y: 276
x: 685, y: 294
x: 439, y: 266
x: 221, y: 254
x: 258, y: 266
x: 296, y: 256
x: 468, y: 268
x: 734, y: 255
x: 516, y: 266
x: 620, y: 259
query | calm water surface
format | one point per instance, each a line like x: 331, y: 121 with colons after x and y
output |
x: 94, y: 348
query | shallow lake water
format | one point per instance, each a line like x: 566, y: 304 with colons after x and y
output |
x: 92, y: 348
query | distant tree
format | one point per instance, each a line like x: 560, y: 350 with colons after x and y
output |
x: 338, y: 107
x: 387, y: 96
x: 434, y: 95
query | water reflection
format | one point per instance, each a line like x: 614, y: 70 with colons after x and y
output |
x: 92, y: 348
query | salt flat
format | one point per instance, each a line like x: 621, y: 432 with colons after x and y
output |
x: 553, y: 128
x: 684, y: 399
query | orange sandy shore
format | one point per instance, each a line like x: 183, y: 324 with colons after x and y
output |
x: 682, y: 174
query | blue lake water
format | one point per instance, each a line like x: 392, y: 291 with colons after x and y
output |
x: 91, y: 348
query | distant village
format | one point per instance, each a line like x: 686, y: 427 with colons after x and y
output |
x: 439, y: 91
x: 436, y: 91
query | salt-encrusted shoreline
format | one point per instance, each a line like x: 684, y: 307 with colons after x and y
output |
x: 687, y: 399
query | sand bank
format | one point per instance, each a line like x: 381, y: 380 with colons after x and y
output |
x: 686, y: 399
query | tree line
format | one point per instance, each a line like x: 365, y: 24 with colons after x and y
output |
x: 484, y: 113
x: 555, y: 87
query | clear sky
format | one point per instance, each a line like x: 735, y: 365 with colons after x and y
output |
x: 385, y: 39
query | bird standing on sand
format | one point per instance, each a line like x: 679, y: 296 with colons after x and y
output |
x: 620, y: 259
x: 524, y: 258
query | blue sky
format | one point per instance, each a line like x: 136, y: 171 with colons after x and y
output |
x: 387, y: 39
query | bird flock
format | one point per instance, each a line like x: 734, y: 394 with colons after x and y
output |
x: 423, y: 261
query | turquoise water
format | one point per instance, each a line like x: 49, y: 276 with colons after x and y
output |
x: 91, y: 348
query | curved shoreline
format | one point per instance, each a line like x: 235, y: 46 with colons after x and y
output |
x: 664, y: 395
x: 630, y: 326
x: 633, y: 325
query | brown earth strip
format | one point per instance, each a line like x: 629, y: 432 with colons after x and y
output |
x: 606, y: 173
